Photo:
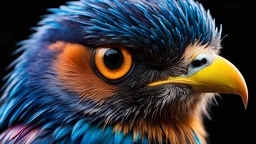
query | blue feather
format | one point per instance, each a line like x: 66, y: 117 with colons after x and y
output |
x: 118, y: 137
x: 107, y: 135
x: 22, y: 105
x: 80, y: 128
x: 62, y: 131
x: 37, y: 115
x: 7, y: 110
x: 128, y: 139
x: 49, y: 125
x: 92, y: 136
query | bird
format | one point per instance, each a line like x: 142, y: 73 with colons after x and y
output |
x: 117, y: 71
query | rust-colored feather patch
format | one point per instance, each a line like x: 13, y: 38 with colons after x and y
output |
x: 178, y: 129
x: 178, y: 132
x: 73, y: 68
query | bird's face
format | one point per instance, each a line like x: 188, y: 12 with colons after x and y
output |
x: 141, y: 60
x: 127, y: 86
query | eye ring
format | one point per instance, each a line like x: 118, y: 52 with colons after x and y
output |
x: 113, y: 62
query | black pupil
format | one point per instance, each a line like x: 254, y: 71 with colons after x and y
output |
x: 113, y: 59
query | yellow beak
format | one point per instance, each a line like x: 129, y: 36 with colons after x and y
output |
x: 220, y: 76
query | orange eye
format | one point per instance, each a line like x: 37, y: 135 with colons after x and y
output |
x: 113, y: 63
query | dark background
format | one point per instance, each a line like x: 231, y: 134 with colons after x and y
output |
x: 230, y: 122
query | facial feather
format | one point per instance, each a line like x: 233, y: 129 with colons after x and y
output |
x: 74, y: 70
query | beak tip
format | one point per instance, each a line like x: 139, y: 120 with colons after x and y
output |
x: 244, y: 97
x: 245, y: 105
x: 245, y: 101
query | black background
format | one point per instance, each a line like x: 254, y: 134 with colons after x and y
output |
x: 230, y: 122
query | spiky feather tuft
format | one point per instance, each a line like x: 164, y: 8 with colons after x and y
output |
x: 158, y: 27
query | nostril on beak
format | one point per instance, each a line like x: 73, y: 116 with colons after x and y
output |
x: 199, y: 62
x: 204, y: 61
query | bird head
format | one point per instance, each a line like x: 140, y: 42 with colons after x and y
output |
x: 136, y: 65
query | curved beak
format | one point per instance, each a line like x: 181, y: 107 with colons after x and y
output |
x: 220, y: 76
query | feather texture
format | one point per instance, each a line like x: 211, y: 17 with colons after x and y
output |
x: 51, y: 113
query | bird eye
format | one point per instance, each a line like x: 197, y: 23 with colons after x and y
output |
x: 113, y: 63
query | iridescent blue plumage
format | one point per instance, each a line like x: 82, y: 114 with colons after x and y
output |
x: 161, y: 28
x: 166, y: 23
